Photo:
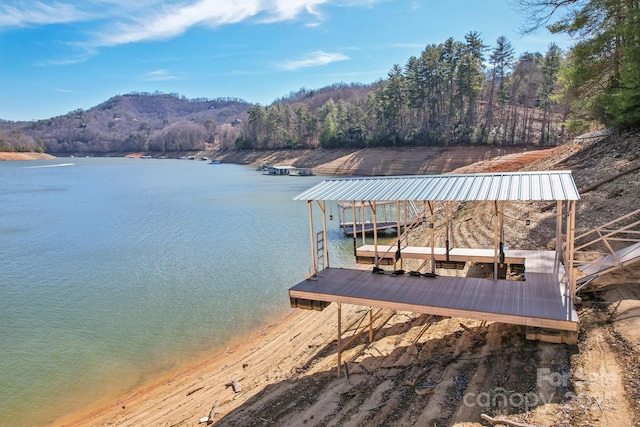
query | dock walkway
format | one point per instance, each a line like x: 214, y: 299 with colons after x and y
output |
x: 541, y: 300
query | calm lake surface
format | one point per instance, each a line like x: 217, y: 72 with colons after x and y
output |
x: 114, y: 271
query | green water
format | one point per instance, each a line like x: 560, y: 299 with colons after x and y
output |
x: 115, y: 271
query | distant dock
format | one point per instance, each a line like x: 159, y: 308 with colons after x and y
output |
x: 284, y: 170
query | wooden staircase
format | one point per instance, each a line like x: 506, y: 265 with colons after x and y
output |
x: 609, y: 247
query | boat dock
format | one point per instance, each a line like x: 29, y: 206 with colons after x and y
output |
x: 285, y: 170
x: 543, y: 301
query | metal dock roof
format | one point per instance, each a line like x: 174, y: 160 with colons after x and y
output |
x: 507, y: 186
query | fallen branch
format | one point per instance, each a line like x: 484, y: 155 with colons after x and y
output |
x: 294, y: 336
x: 474, y: 333
x: 212, y: 413
x: 415, y: 379
x: 597, y: 403
x: 495, y: 421
x: 190, y: 392
x: 179, y: 422
x: 424, y: 329
x: 423, y: 391
x: 209, y: 418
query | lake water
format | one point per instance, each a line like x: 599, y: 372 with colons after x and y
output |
x: 114, y: 271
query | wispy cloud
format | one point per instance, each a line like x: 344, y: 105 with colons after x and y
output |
x: 63, y: 90
x: 24, y: 14
x: 117, y: 22
x: 173, y: 20
x: 158, y: 76
x: 409, y: 45
x: 86, y: 52
x: 313, y: 59
x: 283, y: 10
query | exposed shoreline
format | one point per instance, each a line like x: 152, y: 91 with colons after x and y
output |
x: 182, y: 376
x: 294, y: 356
x: 330, y: 162
x: 368, y: 161
x: 7, y: 156
x: 180, y: 382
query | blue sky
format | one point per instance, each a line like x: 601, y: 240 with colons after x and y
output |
x: 60, y: 55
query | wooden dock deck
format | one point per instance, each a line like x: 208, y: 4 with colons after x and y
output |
x: 541, y: 300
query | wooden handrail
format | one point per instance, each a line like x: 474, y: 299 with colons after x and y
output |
x: 609, y: 233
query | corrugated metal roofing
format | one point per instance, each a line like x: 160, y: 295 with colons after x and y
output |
x: 523, y: 186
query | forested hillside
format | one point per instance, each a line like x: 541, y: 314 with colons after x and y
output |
x: 455, y: 92
x: 134, y: 122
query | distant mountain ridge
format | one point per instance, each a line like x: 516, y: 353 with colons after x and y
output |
x: 131, y: 122
x: 160, y: 122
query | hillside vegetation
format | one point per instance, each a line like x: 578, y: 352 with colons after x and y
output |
x: 464, y: 92
x: 445, y: 96
x: 131, y: 123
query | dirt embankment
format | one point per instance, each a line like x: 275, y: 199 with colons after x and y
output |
x: 423, y: 370
x: 369, y: 161
x: 24, y: 156
x: 373, y: 161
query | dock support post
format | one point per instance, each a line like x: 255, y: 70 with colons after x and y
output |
x: 432, y: 226
x: 495, y: 241
x: 447, y: 206
x: 362, y: 219
x: 559, y: 230
x: 501, y: 254
x: 354, y: 220
x: 314, y: 266
x: 339, y: 338
x: 375, y: 231
x: 324, y: 235
x: 571, y: 235
x: 398, y: 217
x: 370, y: 325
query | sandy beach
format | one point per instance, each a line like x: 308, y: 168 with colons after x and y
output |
x: 419, y: 369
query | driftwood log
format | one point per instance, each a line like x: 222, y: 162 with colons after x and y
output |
x: 212, y: 413
x: 495, y: 421
x: 209, y: 418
